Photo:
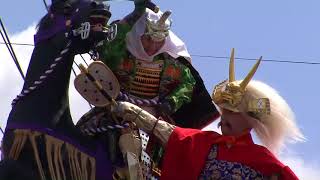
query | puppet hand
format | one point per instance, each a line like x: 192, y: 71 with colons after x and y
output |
x: 127, y: 111
x: 130, y: 112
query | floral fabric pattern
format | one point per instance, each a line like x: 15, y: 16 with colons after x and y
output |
x: 219, y: 169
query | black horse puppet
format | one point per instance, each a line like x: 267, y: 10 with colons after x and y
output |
x: 41, y: 141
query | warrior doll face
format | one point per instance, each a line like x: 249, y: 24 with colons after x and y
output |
x: 151, y: 46
x: 234, y: 123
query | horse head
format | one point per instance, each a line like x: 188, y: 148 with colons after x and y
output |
x: 69, y: 15
x: 62, y: 33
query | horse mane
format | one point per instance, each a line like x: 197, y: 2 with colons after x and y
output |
x: 57, y: 7
x: 44, y: 23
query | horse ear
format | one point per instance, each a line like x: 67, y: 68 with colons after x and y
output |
x: 67, y: 9
x: 62, y: 6
x: 94, y: 4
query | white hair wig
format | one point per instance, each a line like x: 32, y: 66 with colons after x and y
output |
x: 278, y: 128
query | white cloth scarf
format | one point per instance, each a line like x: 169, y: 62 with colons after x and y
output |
x: 173, y: 45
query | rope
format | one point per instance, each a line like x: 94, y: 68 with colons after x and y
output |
x: 95, y: 130
x: 35, y: 84
x: 139, y: 102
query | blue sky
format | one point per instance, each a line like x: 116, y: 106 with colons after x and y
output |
x: 283, y: 30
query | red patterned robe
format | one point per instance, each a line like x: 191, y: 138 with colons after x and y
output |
x: 193, y: 154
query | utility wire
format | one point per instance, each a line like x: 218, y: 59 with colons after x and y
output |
x: 18, y: 44
x: 220, y: 57
x: 6, y: 39
x: 7, y: 45
x: 251, y: 59
x: 46, y: 5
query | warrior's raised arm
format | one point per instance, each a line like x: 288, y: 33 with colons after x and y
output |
x: 139, y: 9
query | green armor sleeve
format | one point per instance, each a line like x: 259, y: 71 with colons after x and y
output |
x: 183, y: 93
x: 111, y: 53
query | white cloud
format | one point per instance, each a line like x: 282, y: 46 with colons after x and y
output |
x: 304, y: 170
x: 11, y: 82
x: 78, y: 105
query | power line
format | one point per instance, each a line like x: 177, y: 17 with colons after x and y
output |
x: 18, y: 44
x: 222, y: 57
x: 46, y: 5
x: 6, y: 40
x: 251, y: 59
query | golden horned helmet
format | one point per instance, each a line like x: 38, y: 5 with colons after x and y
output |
x: 230, y: 93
